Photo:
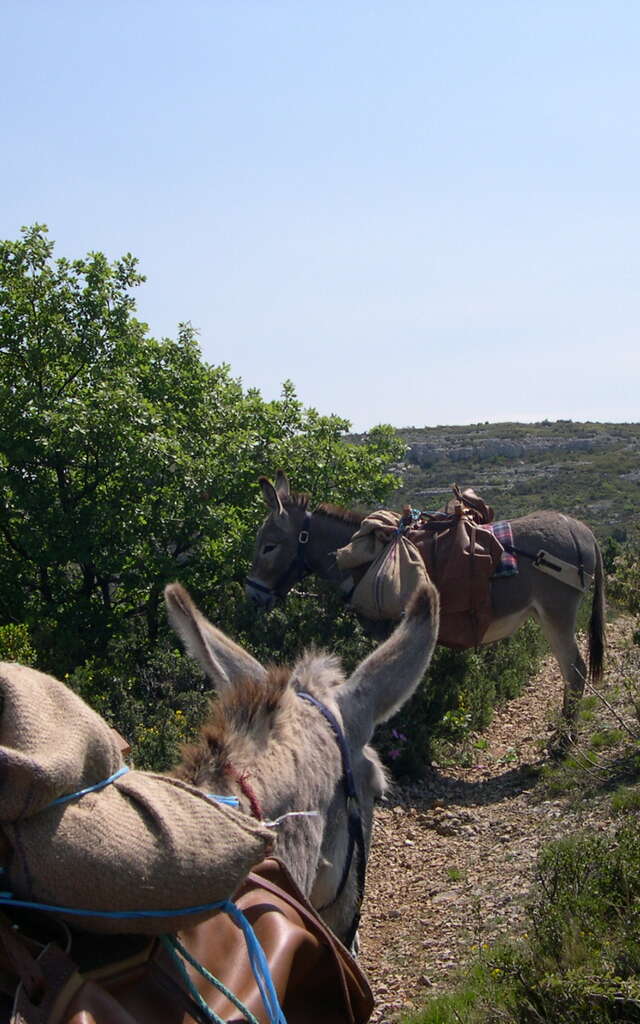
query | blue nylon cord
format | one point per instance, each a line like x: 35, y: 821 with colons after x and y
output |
x: 178, y: 951
x: 88, y: 789
x: 210, y: 1014
x: 111, y: 915
x: 259, y: 964
x: 231, y: 801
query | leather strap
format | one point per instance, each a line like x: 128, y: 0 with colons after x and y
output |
x: 21, y: 961
x: 60, y: 978
x: 356, y: 831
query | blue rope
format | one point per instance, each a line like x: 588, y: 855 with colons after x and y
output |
x: 231, y: 801
x: 89, y: 789
x: 111, y: 915
x: 259, y: 964
x: 177, y: 951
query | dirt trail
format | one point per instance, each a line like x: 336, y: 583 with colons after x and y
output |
x: 452, y: 857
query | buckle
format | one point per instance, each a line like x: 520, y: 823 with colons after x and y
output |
x: 303, y: 537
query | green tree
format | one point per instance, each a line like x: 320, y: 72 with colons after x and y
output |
x: 127, y: 461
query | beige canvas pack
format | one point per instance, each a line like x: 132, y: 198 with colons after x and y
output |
x: 145, y: 842
x: 395, y: 566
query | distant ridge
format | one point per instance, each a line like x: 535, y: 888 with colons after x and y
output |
x: 590, y: 470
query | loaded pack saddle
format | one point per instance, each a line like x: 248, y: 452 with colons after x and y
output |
x: 460, y: 557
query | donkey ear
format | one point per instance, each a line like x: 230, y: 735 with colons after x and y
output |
x: 270, y: 495
x: 283, y: 489
x: 223, y: 662
x: 386, y: 679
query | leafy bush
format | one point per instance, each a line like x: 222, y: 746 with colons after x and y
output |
x: 625, y: 800
x: 155, y: 699
x: 580, y: 960
x: 624, y: 583
x: 127, y: 461
x: 16, y: 645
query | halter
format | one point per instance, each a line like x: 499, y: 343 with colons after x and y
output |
x: 356, y: 832
x: 295, y: 572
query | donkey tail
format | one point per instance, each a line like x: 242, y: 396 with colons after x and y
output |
x: 597, y: 637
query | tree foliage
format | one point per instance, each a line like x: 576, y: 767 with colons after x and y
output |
x: 127, y: 461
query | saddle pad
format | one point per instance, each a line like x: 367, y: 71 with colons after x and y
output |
x: 502, y: 531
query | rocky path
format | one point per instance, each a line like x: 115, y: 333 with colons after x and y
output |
x: 452, y: 857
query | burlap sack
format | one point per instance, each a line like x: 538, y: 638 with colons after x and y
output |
x: 369, y: 540
x: 396, y: 568
x: 144, y: 842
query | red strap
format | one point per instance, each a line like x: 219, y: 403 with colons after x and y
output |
x: 242, y: 778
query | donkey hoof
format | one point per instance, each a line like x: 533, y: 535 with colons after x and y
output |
x: 559, y: 742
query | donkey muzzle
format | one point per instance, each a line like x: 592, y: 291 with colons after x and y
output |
x: 261, y: 595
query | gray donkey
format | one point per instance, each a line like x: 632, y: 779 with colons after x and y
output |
x: 295, y: 541
x: 285, y: 740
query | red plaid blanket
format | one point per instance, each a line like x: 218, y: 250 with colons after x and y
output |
x: 502, y: 531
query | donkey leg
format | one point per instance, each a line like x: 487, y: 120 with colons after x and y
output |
x: 562, y: 640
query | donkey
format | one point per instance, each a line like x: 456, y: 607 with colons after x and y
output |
x: 294, y: 541
x: 296, y: 740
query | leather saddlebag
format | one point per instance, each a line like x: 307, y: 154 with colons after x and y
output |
x: 460, y: 559
x: 317, y: 980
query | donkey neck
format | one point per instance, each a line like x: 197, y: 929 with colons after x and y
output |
x: 329, y: 531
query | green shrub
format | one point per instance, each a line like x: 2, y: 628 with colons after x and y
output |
x: 625, y: 800
x: 579, y: 962
x: 624, y: 583
x: 605, y: 738
x: 16, y: 645
x: 156, y: 700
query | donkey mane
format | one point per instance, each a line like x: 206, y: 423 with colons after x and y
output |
x: 249, y: 710
x: 296, y: 500
x: 253, y: 712
x: 344, y: 515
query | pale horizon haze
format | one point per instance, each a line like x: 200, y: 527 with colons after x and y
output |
x: 419, y: 213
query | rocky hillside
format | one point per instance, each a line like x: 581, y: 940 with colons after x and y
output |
x: 591, y: 470
x: 476, y: 447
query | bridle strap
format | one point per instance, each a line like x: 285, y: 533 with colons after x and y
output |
x: 356, y: 832
x: 298, y: 568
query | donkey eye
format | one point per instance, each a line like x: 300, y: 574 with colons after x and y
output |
x: 268, y: 547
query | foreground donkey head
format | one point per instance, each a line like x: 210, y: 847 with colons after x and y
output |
x: 278, y: 752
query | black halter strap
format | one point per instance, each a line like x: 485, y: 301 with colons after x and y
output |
x: 356, y: 832
x: 296, y: 571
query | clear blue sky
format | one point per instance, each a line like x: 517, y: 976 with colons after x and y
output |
x: 419, y: 212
